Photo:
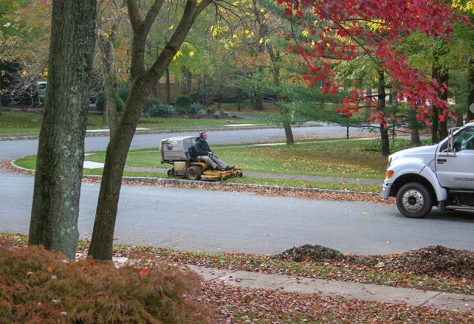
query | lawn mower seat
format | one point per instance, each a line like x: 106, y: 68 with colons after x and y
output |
x: 192, y: 154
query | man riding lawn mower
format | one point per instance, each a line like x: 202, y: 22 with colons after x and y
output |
x: 193, y: 158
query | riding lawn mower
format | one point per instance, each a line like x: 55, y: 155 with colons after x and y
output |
x: 176, y: 151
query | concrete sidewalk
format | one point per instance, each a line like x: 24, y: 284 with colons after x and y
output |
x: 350, y: 290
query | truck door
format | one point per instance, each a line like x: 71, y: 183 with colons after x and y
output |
x: 456, y: 170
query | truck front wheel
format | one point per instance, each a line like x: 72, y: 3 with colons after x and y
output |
x: 414, y: 200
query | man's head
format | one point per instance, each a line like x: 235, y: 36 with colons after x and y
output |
x: 203, y: 135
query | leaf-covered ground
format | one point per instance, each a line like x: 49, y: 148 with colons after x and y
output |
x: 243, y: 305
x: 413, y: 269
x: 238, y: 305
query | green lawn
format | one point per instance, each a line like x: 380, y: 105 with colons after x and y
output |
x: 29, y: 122
x: 339, y: 158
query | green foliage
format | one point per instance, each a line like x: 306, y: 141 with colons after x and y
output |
x: 101, y: 101
x: 119, y: 102
x: 395, y: 145
x: 123, y: 93
x: 183, y: 104
x: 196, y: 107
x: 37, y: 286
x: 157, y: 109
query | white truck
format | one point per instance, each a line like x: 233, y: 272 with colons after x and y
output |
x: 438, y: 175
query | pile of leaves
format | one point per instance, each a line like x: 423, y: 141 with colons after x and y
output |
x: 41, y: 286
x: 409, y: 270
x: 244, y: 305
x: 432, y: 260
x: 309, y: 252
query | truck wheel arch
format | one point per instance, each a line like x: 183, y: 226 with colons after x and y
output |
x: 407, y: 178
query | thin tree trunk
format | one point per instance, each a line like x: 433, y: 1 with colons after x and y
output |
x: 288, y: 133
x: 116, y: 155
x: 439, y: 128
x: 470, y: 99
x: 385, y: 139
x: 258, y: 94
x: 106, y: 45
x: 142, y: 86
x: 415, y: 137
x: 168, y: 86
x: 55, y: 208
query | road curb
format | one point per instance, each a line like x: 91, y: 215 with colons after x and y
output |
x: 208, y: 184
x: 151, y: 132
x: 216, y: 184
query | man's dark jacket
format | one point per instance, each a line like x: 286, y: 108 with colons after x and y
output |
x: 201, y: 147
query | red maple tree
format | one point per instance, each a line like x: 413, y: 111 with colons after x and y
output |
x: 342, y: 29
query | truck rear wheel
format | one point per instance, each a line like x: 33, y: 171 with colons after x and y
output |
x: 194, y: 172
x: 414, y: 200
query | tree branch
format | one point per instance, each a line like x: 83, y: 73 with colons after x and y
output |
x: 152, y: 14
x: 134, y: 15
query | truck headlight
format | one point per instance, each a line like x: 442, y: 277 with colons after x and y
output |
x: 389, y: 174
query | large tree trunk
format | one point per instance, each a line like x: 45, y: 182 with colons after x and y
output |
x: 385, y: 140
x: 60, y: 157
x: 144, y: 81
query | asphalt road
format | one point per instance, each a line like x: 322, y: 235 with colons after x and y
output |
x: 238, y: 221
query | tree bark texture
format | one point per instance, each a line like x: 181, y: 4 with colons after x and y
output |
x: 415, y: 137
x: 439, y: 128
x: 142, y: 86
x: 385, y: 139
x: 55, y: 208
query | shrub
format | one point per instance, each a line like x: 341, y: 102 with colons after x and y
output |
x: 156, y: 109
x: 123, y: 93
x: 196, y: 107
x: 41, y: 286
x: 101, y: 101
x: 183, y: 104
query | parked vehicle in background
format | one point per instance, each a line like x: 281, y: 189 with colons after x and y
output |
x: 438, y: 175
x: 41, y: 85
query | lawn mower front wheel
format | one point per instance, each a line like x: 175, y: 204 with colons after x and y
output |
x: 194, y: 172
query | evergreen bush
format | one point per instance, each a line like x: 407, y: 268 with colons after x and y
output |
x: 101, y: 101
x: 157, y: 109
x: 183, y: 104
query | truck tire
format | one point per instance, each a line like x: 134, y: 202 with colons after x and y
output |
x: 194, y: 172
x: 414, y: 200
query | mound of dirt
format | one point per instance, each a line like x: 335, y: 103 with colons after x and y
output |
x: 310, y: 253
x: 432, y: 260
